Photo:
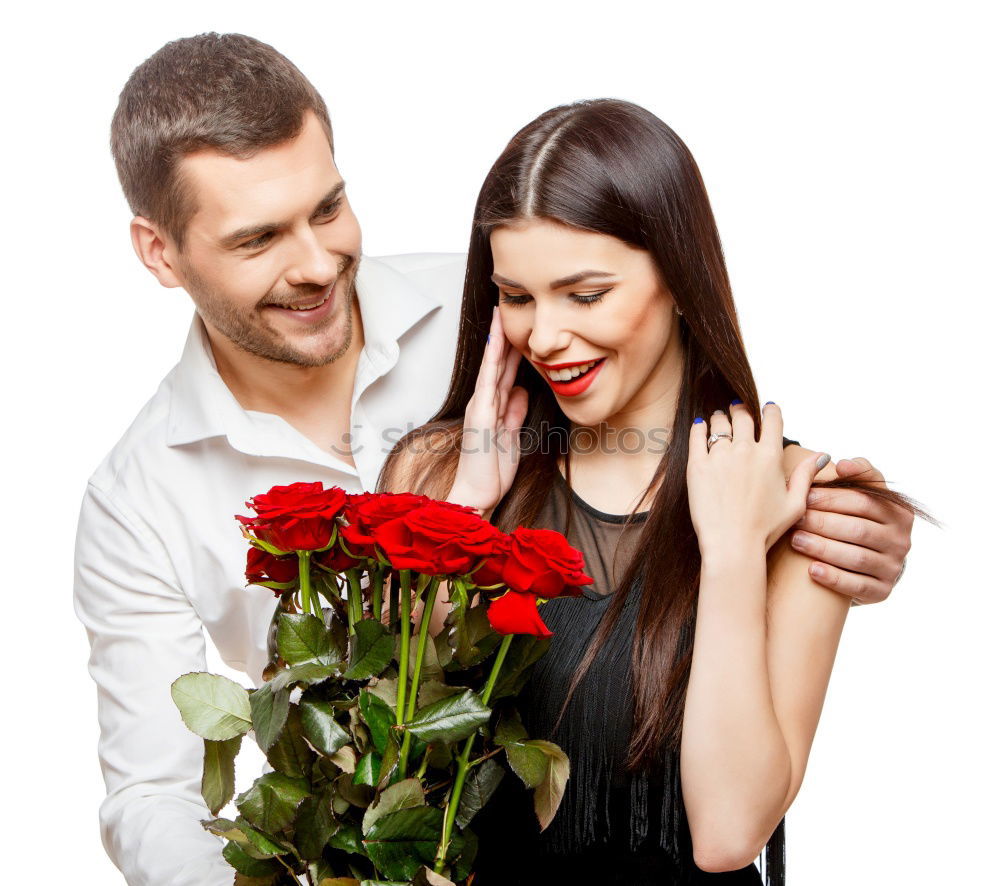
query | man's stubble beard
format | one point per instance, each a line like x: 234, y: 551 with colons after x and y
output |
x: 247, y: 330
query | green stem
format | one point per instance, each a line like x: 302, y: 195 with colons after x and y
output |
x: 305, y: 587
x: 463, y: 761
x: 354, y: 613
x: 405, y: 605
x: 411, y: 707
x: 393, y: 602
x: 495, y: 672
x: 376, y: 585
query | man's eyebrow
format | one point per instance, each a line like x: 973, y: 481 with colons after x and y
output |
x: 555, y: 284
x: 252, y: 231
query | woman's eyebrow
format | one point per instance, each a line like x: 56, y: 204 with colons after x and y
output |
x: 555, y: 284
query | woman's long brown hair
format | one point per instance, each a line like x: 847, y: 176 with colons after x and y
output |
x: 614, y: 168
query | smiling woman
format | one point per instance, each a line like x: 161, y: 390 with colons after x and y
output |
x: 686, y: 686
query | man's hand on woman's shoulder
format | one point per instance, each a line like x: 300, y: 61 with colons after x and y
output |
x: 858, y: 543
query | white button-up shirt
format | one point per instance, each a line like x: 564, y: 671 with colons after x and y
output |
x: 159, y: 556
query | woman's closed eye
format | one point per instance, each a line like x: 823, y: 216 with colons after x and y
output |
x: 582, y: 298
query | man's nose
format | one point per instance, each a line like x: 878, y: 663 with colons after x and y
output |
x: 312, y: 262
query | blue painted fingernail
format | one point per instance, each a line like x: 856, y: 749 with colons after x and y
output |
x: 769, y: 403
x: 736, y: 402
x: 699, y: 420
x: 488, y: 337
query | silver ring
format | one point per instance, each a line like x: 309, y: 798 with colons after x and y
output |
x: 715, y: 438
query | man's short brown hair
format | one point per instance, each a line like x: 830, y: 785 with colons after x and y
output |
x: 224, y: 91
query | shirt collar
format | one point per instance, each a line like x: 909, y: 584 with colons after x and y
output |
x: 202, y: 406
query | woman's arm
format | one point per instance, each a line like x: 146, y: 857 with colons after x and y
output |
x: 765, y: 640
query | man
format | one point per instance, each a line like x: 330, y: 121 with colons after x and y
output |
x: 304, y: 361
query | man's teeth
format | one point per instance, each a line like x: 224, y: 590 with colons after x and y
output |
x: 573, y: 372
x: 309, y: 307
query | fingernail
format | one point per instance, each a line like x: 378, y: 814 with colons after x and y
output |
x: 699, y: 420
x: 817, y: 571
x: 718, y: 412
x: 769, y: 403
x: 823, y: 460
x: 736, y: 402
x: 812, y: 498
x: 799, y: 540
x: 488, y: 337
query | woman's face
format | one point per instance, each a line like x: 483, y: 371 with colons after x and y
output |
x: 570, y: 297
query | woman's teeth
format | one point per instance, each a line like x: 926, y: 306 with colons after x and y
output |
x: 573, y: 372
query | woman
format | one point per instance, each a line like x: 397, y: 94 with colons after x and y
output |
x: 686, y: 686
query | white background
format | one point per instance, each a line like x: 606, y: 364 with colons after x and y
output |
x: 850, y: 151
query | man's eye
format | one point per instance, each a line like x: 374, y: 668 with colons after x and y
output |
x: 328, y: 210
x: 257, y: 242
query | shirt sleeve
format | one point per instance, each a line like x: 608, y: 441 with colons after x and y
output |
x: 144, y: 633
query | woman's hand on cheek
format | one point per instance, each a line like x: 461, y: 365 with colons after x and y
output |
x: 737, y: 492
x: 493, y: 418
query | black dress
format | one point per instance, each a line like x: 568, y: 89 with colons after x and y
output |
x: 624, y: 828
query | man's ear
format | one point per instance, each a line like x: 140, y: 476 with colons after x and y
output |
x: 152, y: 248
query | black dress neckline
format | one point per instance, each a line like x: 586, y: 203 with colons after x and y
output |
x: 637, y: 517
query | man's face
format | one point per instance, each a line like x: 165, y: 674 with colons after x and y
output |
x: 271, y: 252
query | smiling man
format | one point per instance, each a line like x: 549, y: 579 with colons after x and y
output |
x: 305, y: 361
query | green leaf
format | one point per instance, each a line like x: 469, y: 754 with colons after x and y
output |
x: 269, y: 711
x: 243, y: 880
x: 378, y: 717
x: 218, y: 779
x: 471, y: 636
x: 404, y: 794
x: 434, y: 690
x: 389, y: 768
x: 371, y: 650
x: 510, y: 729
x: 258, y: 844
x: 524, y: 651
x: 271, y: 802
x: 321, y: 727
x: 356, y: 794
x: 315, y: 823
x: 348, y: 839
x: 385, y: 688
x: 290, y: 754
x: 401, y: 842
x: 303, y: 638
x: 450, y: 719
x: 339, y: 881
x: 247, y: 865
x: 211, y: 706
x: 367, y: 769
x: 308, y: 673
x: 529, y: 763
x: 427, y: 877
x: 482, y: 781
x: 549, y: 792
x: 223, y: 827
x: 431, y: 668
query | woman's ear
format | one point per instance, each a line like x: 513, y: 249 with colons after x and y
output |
x: 152, y: 248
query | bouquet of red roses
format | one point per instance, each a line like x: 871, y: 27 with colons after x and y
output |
x: 384, y: 741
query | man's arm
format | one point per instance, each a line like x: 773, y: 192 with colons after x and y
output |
x: 859, y: 543
x: 143, y: 634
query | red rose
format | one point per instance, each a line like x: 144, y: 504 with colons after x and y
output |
x: 437, y: 538
x: 491, y: 572
x: 336, y: 560
x: 266, y: 569
x: 299, y: 517
x: 542, y: 562
x: 515, y: 613
x: 367, y: 510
